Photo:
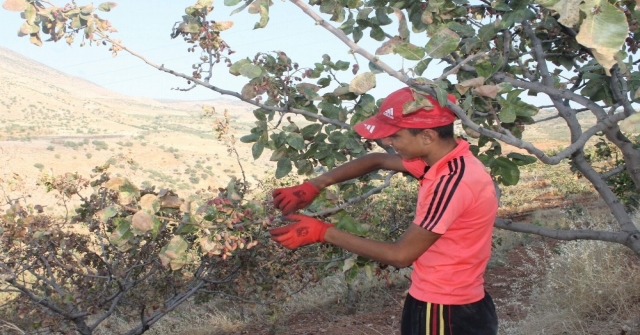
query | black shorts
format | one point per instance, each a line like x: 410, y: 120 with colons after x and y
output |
x: 425, y: 318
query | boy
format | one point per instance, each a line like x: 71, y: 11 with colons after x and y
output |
x: 449, y: 242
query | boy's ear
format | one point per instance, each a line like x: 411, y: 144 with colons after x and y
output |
x: 429, y: 135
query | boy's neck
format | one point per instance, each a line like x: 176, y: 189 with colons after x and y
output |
x: 441, y: 149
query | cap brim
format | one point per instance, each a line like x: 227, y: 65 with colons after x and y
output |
x: 373, y: 128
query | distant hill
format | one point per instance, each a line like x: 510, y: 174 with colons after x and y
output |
x: 20, y: 75
x: 53, y: 123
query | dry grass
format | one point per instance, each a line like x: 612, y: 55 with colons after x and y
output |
x: 580, y: 287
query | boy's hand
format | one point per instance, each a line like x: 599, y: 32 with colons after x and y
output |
x: 290, y: 199
x: 306, y: 230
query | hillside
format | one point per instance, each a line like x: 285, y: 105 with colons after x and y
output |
x: 54, y: 123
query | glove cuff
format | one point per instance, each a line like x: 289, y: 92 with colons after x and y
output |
x: 324, y: 231
x: 312, y: 188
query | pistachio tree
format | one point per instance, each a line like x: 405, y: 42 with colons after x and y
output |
x: 576, y: 56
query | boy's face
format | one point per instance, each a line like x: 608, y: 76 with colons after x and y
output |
x: 407, y: 145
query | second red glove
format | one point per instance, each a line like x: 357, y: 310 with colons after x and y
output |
x: 306, y: 230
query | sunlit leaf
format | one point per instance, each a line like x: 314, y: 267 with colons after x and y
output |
x: 250, y: 70
x: 410, y: 51
x: 389, y: 45
x: 87, y: 10
x: 508, y: 114
x: 150, y: 203
x: 235, y: 68
x: 15, y: 5
x: 604, y: 31
x: 490, y: 91
x: 107, y: 6
x: 443, y: 43
x: 107, y: 213
x: 363, y: 83
x: 403, y: 29
x: 142, y: 221
x: 222, y: 25
x: 27, y: 29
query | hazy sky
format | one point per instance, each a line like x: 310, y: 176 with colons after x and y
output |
x: 145, y: 27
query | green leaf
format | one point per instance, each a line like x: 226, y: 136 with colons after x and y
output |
x: 251, y: 70
x: 520, y: 159
x: 486, y: 69
x: 462, y: 29
x: 235, y: 68
x: 363, y: 14
x: 487, y: 32
x: 508, y: 114
x: 443, y: 43
x: 309, y: 132
x: 506, y: 169
x: 231, y: 2
x: 357, y: 34
x: 304, y: 167
x: 296, y: 141
x: 283, y: 168
x: 257, y: 149
x: 108, y: 213
x: 604, y: 32
x: 377, y: 33
x: 249, y: 138
x: 121, y: 234
x: 264, y: 14
x: 422, y: 65
x: 410, y: 51
x: 382, y: 17
x: 341, y: 65
x: 278, y: 154
x: 374, y: 68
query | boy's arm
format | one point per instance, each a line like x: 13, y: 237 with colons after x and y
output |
x: 359, y: 167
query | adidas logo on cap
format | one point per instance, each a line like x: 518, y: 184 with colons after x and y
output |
x: 370, y: 128
x: 388, y: 113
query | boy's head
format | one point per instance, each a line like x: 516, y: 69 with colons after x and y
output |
x: 391, y: 118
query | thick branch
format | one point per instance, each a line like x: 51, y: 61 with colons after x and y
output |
x: 567, y: 235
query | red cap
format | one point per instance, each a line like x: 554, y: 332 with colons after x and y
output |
x: 390, y: 118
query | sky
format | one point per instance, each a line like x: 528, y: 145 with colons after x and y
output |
x: 145, y: 27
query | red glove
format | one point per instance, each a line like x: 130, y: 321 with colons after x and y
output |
x: 290, y: 199
x: 306, y: 230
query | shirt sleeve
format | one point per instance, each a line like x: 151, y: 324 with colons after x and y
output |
x: 415, y: 167
x: 441, y: 202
